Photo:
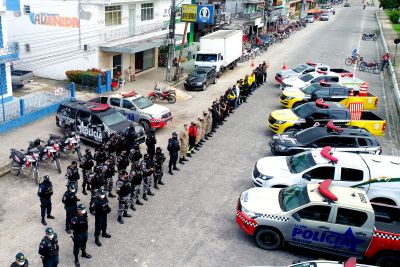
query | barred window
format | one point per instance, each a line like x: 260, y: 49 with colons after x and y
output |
x: 113, y: 15
x: 147, y: 11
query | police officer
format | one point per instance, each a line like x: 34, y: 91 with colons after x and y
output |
x: 79, y: 226
x: 151, y: 143
x: 72, y: 174
x: 121, y: 143
x: 45, y: 192
x: 20, y: 261
x: 130, y: 137
x: 96, y: 179
x: 48, y: 248
x: 147, y: 170
x: 111, y: 145
x: 209, y: 122
x: 173, y: 148
x: 70, y: 205
x: 109, y: 171
x: 184, y: 141
x: 134, y: 154
x: 86, y: 165
x: 100, y: 155
x: 159, y: 159
x: 123, y: 191
x: 99, y: 207
x: 122, y: 161
x: 136, y: 178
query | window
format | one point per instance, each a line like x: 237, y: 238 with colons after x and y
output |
x: 333, y: 79
x: 321, y: 115
x: 315, y: 213
x: 322, y: 173
x: 127, y: 104
x: 147, y: 11
x: 114, y: 102
x: 326, y: 141
x: 96, y: 120
x: 113, y: 15
x: 322, y: 93
x: 323, y: 68
x: 364, y: 142
x: 351, y: 175
x: 351, y: 217
x: 339, y: 115
x: 84, y: 116
x: 346, y: 142
x: 27, y: 9
x: 338, y: 92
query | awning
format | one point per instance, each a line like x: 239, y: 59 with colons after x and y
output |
x: 314, y: 11
x: 138, y: 46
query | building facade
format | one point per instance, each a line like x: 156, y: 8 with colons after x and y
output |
x: 55, y: 36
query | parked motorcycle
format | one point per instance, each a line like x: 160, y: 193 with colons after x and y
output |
x: 161, y: 94
x: 374, y: 66
x: 371, y: 36
x: 68, y: 144
x: 47, y: 153
x: 26, y: 164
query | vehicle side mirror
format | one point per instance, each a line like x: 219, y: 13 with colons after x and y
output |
x: 194, y: 56
x: 100, y: 125
x: 313, y: 97
x: 296, y: 216
x: 307, y: 177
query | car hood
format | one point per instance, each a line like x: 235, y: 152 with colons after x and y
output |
x: 273, y: 166
x: 193, y: 80
x: 123, y: 125
x: 295, y: 81
x: 286, y: 139
x: 156, y: 110
x: 294, y: 92
x: 261, y: 200
x: 289, y: 72
x: 284, y: 115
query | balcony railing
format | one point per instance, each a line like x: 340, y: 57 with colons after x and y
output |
x: 10, y: 52
x: 126, y: 32
x: 253, y: 15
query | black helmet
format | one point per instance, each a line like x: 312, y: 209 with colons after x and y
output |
x: 88, y: 151
x: 158, y: 149
x: 46, y: 177
x: 72, y: 186
x: 81, y: 207
x: 146, y: 156
x: 49, y: 231
x: 152, y: 131
x: 20, y: 257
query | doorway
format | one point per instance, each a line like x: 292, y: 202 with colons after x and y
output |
x: 138, y: 62
x: 117, y: 64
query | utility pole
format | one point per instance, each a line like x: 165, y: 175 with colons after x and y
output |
x: 79, y: 16
x: 171, y: 42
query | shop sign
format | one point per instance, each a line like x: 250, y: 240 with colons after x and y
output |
x: 198, y: 13
x: 54, y: 20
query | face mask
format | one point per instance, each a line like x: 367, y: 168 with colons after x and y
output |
x: 73, y: 190
x: 83, y: 211
x: 20, y: 263
x: 102, y: 196
x: 50, y: 236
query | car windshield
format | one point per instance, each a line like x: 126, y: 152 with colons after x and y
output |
x: 308, y: 135
x: 309, y: 16
x: 300, y: 68
x: 113, y: 118
x: 305, y: 110
x: 300, y: 162
x: 206, y: 57
x: 306, y: 77
x: 309, y: 89
x: 198, y: 73
x: 142, y: 102
x: 293, y: 197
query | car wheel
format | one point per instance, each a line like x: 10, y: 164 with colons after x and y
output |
x: 268, y: 238
x: 204, y: 87
x: 388, y: 261
x: 295, y: 105
x: 215, y: 80
x: 145, y: 125
x: 291, y: 130
x: 152, y: 98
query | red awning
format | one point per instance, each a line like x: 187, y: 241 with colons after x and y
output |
x: 314, y: 11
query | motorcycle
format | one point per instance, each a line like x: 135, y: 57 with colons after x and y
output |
x: 162, y: 95
x: 371, y: 36
x: 25, y: 163
x: 357, y: 60
x: 47, y: 153
x: 374, y: 66
x: 68, y: 144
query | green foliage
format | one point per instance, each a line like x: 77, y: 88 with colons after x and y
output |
x: 393, y: 15
x: 389, y: 4
x: 86, y: 78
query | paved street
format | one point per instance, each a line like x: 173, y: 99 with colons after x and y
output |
x: 191, y: 220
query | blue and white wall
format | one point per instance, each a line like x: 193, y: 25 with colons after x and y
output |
x: 5, y: 75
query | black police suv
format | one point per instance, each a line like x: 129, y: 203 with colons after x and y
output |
x: 342, y: 139
x: 94, y: 122
x: 200, y: 78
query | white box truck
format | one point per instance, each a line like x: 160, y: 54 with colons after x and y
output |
x: 220, y: 50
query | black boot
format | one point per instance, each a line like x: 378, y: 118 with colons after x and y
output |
x: 176, y: 169
x: 44, y: 222
x: 106, y: 235
x: 206, y: 137
x: 189, y: 155
x: 156, y: 186
x: 197, y: 148
x: 170, y: 172
x: 97, y: 241
x: 77, y: 264
x: 185, y: 159
x: 133, y: 207
x: 126, y: 215
x: 181, y: 161
x: 120, y: 220
x: 145, y: 197
x: 68, y: 231
x: 138, y: 202
x: 86, y: 255
x: 50, y: 217
x: 110, y: 195
x: 84, y: 192
x: 150, y: 193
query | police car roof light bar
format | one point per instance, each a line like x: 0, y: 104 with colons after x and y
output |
x: 129, y: 94
x: 100, y: 107
x: 326, y: 153
x: 351, y: 262
x: 346, y: 75
x: 310, y: 63
x: 332, y: 126
x: 321, y: 72
x: 320, y: 103
x: 323, y: 188
x: 324, y: 83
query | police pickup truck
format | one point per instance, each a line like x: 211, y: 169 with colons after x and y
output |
x: 320, y: 112
x: 328, y: 92
x: 93, y: 121
x: 138, y: 109
x: 340, y: 76
x: 300, y: 70
x: 332, y: 219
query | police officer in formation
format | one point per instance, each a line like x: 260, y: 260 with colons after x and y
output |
x: 72, y: 174
x: 111, y: 145
x: 99, y: 207
x: 48, y: 248
x: 135, y: 155
x: 135, y: 178
x: 79, y: 226
x: 100, y: 155
x: 173, y: 148
x: 122, y: 161
x: 123, y: 190
x: 151, y: 143
x: 70, y: 205
x: 158, y: 162
x: 108, y: 172
x: 184, y: 141
x: 86, y: 165
x: 147, y: 170
x: 121, y: 143
x: 96, y: 179
x: 20, y: 261
x: 45, y: 192
x: 130, y: 137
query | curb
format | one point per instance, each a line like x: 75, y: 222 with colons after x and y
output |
x: 4, y: 168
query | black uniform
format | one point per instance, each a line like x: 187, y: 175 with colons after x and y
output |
x: 72, y: 175
x: 122, y: 162
x: 121, y: 143
x: 147, y: 168
x: 79, y: 226
x: 159, y: 159
x: 173, y: 148
x: 100, y: 156
x: 70, y: 205
x: 109, y: 171
x: 111, y: 146
x: 151, y: 144
x: 45, y: 192
x: 86, y: 165
x: 130, y: 137
x: 99, y: 207
x: 49, y: 249
x: 14, y: 264
x: 135, y: 155
x: 123, y: 190
x: 96, y: 180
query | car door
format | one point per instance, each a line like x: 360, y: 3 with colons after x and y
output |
x: 98, y: 128
x: 324, y: 141
x: 321, y: 116
x: 82, y: 123
x: 353, y: 229
x: 311, y: 226
x: 339, y: 117
x: 208, y: 81
x: 366, y: 145
x: 319, y: 173
x: 116, y: 103
x: 347, y: 143
x: 322, y: 93
x: 353, y: 176
x: 338, y: 94
x: 130, y: 110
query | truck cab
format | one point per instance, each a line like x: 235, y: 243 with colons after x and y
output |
x: 209, y: 59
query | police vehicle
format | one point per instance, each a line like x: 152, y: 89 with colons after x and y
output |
x: 351, y: 262
x: 93, y: 121
x: 300, y: 70
x: 342, y: 139
x: 332, y: 219
x: 378, y: 175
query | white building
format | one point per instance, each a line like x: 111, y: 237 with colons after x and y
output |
x: 55, y: 36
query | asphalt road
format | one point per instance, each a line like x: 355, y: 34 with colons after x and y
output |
x: 191, y: 220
